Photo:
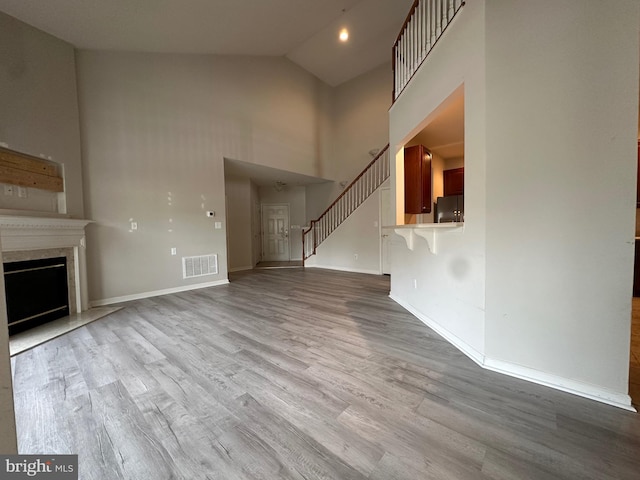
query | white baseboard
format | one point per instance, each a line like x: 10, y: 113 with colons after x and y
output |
x: 155, y: 293
x: 240, y: 269
x: 574, y: 387
x: 461, y: 345
x: 345, y: 269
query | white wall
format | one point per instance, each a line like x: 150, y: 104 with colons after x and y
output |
x: 238, y: 197
x: 359, y: 123
x: 156, y: 128
x: 40, y: 106
x: 450, y: 293
x: 562, y: 113
x: 538, y: 284
x: 36, y: 199
x: 358, y: 235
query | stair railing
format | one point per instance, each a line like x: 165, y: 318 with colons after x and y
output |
x: 424, y: 25
x: 351, y: 198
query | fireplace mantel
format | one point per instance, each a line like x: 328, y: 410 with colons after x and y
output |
x: 15, y: 221
x: 33, y: 233
x: 24, y: 233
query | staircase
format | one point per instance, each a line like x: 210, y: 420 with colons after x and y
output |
x: 351, y: 198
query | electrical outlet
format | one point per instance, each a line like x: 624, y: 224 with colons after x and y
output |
x: 217, y: 225
x: 22, y: 192
x: 134, y: 225
x: 355, y: 256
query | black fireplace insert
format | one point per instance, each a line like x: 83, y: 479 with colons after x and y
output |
x: 37, y: 292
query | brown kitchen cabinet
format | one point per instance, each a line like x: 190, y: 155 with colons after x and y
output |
x: 453, y: 181
x: 417, y: 180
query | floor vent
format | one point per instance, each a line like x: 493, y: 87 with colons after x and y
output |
x: 199, y: 266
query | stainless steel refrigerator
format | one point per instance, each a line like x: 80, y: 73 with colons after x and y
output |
x: 449, y: 209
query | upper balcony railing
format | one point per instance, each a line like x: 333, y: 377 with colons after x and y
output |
x: 421, y: 30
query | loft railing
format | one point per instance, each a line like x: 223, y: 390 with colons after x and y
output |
x: 421, y: 30
x: 351, y: 198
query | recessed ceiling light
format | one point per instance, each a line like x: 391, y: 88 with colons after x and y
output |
x: 344, y: 35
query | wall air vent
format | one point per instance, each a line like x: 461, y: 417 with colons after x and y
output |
x: 199, y: 266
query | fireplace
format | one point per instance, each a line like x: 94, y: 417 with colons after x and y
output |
x: 37, y: 292
x: 54, y: 246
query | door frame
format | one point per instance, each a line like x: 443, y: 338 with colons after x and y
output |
x: 383, y: 232
x: 256, y: 231
x: 262, y: 232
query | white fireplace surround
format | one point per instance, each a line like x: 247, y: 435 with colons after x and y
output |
x: 35, y: 234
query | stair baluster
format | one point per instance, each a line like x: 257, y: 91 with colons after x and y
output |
x: 349, y: 200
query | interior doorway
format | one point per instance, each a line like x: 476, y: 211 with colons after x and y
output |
x: 275, y: 237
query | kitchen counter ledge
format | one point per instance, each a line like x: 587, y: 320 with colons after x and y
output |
x: 428, y: 231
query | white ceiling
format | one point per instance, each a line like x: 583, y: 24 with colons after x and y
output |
x: 443, y: 132
x: 305, y: 31
x: 266, y: 176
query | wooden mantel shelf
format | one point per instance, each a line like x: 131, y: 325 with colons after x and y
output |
x: 428, y: 231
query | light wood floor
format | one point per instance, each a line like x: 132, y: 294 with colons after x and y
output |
x: 300, y: 374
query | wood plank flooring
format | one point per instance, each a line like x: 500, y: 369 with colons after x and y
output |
x: 299, y: 374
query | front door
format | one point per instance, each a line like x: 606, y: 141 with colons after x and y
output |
x: 275, y: 222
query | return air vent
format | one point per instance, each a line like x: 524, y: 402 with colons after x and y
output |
x: 199, y: 266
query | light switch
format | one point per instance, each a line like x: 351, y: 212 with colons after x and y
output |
x: 174, y: 251
x: 134, y: 225
x: 218, y: 225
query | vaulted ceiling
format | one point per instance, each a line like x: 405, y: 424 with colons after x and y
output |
x: 305, y: 31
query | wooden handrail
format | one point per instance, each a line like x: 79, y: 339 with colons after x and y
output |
x: 371, y: 163
x: 342, y: 207
x: 443, y: 20
x: 408, y: 18
x: 406, y: 21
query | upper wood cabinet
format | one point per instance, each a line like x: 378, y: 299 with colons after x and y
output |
x: 417, y: 180
x: 453, y: 181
